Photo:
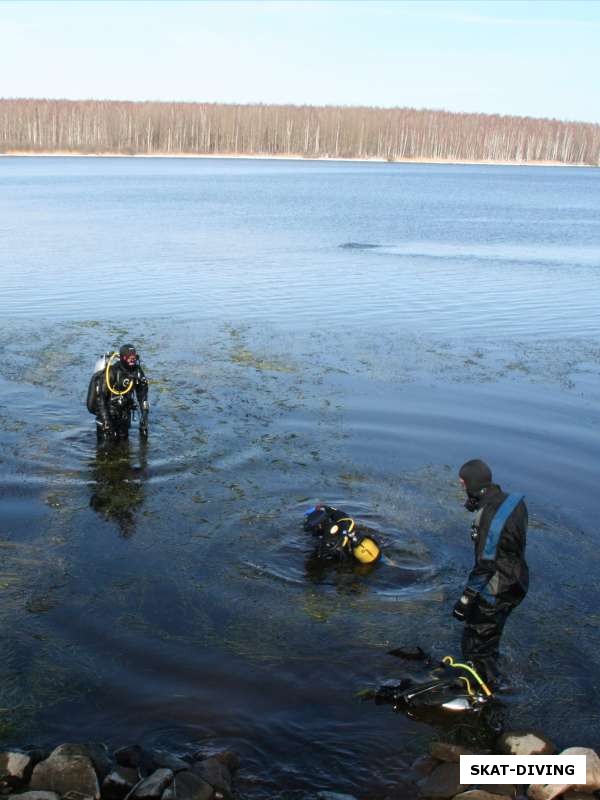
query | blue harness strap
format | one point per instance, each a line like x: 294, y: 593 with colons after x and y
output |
x: 497, y: 525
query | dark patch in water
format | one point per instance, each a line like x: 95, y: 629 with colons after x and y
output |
x: 359, y: 246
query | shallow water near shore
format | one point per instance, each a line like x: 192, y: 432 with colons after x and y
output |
x: 344, y: 332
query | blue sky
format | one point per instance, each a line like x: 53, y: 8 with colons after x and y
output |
x: 529, y: 58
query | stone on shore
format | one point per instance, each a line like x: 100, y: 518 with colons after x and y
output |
x: 540, y: 791
x: 443, y: 782
x: 15, y: 768
x: 524, y: 743
x: 153, y: 786
x: 118, y: 783
x: 66, y: 770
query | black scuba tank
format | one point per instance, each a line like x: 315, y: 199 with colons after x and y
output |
x: 93, y: 392
x: 95, y: 385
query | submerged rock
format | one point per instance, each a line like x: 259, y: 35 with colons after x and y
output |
x: 334, y: 796
x: 443, y: 782
x: 162, y: 759
x: 130, y: 756
x: 214, y: 772
x: 191, y: 787
x: 423, y: 765
x: 444, y: 751
x: 229, y: 758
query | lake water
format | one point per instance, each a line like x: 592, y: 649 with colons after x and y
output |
x: 336, y: 331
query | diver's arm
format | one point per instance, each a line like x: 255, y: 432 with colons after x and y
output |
x: 141, y: 391
x: 481, y: 574
x: 141, y: 387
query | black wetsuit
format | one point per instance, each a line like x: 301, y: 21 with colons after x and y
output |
x: 500, y: 576
x: 331, y: 529
x: 113, y: 411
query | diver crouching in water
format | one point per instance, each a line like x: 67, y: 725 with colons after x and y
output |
x: 116, y: 379
x: 338, y: 538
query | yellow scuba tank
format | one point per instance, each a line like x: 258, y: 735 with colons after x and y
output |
x: 366, y: 551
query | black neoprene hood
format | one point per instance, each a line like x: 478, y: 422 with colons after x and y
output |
x: 476, y: 474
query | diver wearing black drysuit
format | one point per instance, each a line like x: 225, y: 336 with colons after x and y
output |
x: 500, y: 578
x: 114, y: 402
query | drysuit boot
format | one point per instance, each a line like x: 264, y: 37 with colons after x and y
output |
x: 481, y: 638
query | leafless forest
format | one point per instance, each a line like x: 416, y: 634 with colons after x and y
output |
x: 308, y: 131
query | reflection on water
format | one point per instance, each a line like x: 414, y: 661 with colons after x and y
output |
x: 117, y: 483
x: 285, y: 369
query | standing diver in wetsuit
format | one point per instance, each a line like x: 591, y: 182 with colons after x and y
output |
x: 114, y: 403
x: 500, y: 578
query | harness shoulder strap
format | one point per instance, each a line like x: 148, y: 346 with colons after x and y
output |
x: 497, y: 524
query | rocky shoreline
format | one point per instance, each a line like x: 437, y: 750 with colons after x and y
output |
x: 91, y: 772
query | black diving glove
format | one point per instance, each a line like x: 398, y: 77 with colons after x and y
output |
x: 464, y: 607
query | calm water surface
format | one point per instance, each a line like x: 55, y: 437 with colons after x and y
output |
x: 343, y: 332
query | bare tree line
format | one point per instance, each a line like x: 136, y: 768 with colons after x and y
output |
x: 89, y: 126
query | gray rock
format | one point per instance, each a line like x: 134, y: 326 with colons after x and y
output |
x: 442, y: 782
x: 15, y: 768
x: 214, y: 772
x: 65, y: 770
x: 97, y: 753
x: 444, y: 751
x: 119, y: 783
x: 525, y: 743
x: 33, y: 795
x: 169, y: 793
x: 191, y: 787
x: 153, y: 786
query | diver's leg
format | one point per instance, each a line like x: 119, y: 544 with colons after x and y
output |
x: 481, y: 638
